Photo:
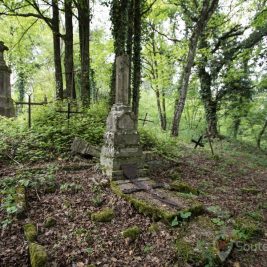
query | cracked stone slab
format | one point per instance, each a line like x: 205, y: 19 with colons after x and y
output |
x: 156, y: 197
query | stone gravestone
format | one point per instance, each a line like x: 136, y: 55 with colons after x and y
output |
x: 6, y: 102
x: 121, y: 140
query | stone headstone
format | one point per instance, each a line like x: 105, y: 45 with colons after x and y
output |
x: 6, y: 102
x: 121, y: 140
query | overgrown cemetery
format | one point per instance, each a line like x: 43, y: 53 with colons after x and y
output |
x: 133, y: 133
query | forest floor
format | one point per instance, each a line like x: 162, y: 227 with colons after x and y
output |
x: 233, y: 183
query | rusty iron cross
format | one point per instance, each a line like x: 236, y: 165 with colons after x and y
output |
x: 30, y: 104
x: 145, y: 119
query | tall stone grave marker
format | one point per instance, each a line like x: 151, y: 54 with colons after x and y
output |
x: 121, y: 140
x: 6, y: 103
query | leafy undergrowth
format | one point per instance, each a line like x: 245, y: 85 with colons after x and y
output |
x: 51, y: 135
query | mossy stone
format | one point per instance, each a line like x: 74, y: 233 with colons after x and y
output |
x: 38, y: 255
x: 50, y: 222
x: 21, y: 201
x: 30, y: 232
x: 183, y: 187
x: 250, y: 190
x: 105, y: 215
x: 157, y: 213
x: 153, y: 228
x: 132, y: 232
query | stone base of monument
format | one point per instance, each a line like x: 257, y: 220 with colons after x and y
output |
x: 155, y: 199
x: 121, y: 143
x: 6, y: 107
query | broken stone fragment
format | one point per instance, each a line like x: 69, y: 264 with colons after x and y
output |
x: 82, y: 147
x: 30, y: 232
x: 38, y: 255
x: 105, y: 215
x: 21, y: 201
x: 50, y: 222
x: 132, y: 233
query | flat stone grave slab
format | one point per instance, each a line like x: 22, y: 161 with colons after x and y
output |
x: 156, y: 199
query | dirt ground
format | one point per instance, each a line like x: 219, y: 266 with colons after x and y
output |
x: 76, y: 240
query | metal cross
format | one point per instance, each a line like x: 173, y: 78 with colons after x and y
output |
x: 198, y: 142
x: 69, y: 112
x: 145, y: 119
x: 30, y: 104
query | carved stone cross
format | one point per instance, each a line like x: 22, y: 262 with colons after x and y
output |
x: 122, y: 80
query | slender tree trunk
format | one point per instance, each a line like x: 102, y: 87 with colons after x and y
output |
x: 155, y: 75
x: 21, y: 86
x: 136, y: 58
x: 184, y: 86
x: 261, y: 133
x: 84, y: 32
x: 57, y: 50
x: 69, y: 65
x: 210, y: 104
x: 236, y: 125
x: 164, y: 115
x: 206, y: 12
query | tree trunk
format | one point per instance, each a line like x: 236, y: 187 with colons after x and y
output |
x: 184, y: 83
x: 21, y: 86
x: 69, y: 66
x: 57, y: 50
x: 261, y: 133
x: 155, y: 75
x: 210, y: 104
x: 236, y: 125
x: 84, y: 32
x: 164, y: 114
x: 206, y: 12
x: 136, y: 58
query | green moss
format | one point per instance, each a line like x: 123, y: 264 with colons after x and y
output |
x: 38, y: 255
x: 144, y: 207
x: 30, y: 232
x: 183, y: 187
x: 50, y: 222
x: 184, y: 250
x: 153, y: 228
x: 250, y: 190
x: 246, y: 228
x: 21, y: 201
x: 153, y: 211
x: 105, y: 215
x: 195, y: 243
x: 132, y: 232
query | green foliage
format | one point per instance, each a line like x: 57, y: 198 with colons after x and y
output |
x: 50, y: 136
x: 217, y: 221
x: 182, y: 215
x: 13, y: 189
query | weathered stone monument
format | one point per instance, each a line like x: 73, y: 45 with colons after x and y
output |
x: 6, y: 102
x: 121, y: 140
